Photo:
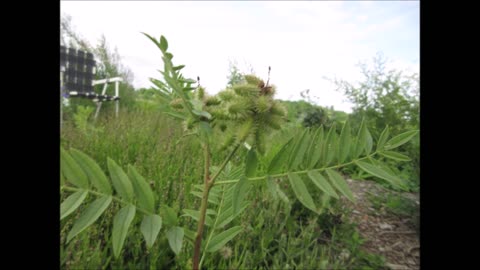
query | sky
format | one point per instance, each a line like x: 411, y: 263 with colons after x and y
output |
x: 304, y: 42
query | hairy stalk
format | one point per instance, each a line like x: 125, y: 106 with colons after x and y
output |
x: 203, y: 207
x: 298, y: 172
x: 225, y: 162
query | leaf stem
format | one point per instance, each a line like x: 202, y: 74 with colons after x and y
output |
x: 298, y: 172
x: 214, y: 225
x: 115, y: 198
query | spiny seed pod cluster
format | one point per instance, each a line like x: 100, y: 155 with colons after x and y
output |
x: 200, y: 93
x: 245, y: 129
x: 209, y: 101
x: 226, y: 95
x: 246, y: 90
x: 251, y: 79
x: 241, y: 109
x: 219, y: 113
x: 229, y: 141
x: 278, y: 109
x: 263, y: 104
x: 189, y: 123
x: 177, y: 104
x: 248, y: 110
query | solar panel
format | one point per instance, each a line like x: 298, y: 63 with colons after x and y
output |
x: 63, y: 56
x: 77, y: 68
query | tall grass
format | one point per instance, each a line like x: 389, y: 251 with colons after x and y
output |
x: 278, y: 235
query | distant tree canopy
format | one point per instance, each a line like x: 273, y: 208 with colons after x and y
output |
x: 387, y: 97
x: 235, y: 76
x: 316, y: 118
x: 384, y: 97
x: 147, y: 93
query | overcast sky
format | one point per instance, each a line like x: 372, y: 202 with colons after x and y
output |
x: 303, y: 42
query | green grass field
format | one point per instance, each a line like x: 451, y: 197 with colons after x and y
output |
x: 278, y: 232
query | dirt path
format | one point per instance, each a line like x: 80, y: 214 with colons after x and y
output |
x: 393, y: 236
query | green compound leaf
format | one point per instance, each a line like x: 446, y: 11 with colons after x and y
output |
x: 93, y: 171
x: 400, y: 139
x: 121, y: 223
x: 219, y: 240
x: 150, y: 228
x: 395, y: 156
x: 89, y: 216
x: 72, y: 203
x: 344, y: 143
x: 301, y: 191
x: 72, y: 170
x: 322, y: 183
x: 175, y: 239
x: 340, y: 184
x: 378, y: 172
x: 120, y: 181
x: 142, y: 190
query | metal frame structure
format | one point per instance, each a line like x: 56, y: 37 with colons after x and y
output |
x: 77, y: 68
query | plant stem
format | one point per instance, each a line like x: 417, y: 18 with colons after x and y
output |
x: 208, y: 182
x: 225, y: 162
x: 203, y: 207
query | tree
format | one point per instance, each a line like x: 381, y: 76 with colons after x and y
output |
x: 235, y: 76
x: 69, y: 37
x: 387, y: 97
x: 315, y: 118
x: 110, y: 62
x: 384, y: 96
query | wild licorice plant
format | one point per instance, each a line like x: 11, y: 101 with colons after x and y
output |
x: 245, y: 113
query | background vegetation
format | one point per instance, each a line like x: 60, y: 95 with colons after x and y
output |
x: 280, y: 232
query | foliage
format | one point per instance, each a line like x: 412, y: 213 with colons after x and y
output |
x: 69, y: 37
x: 307, y: 114
x: 316, y: 116
x: 305, y: 165
x: 385, y: 97
x: 397, y: 204
x: 388, y: 98
x: 235, y: 76
x: 81, y: 120
x: 110, y: 64
x: 84, y: 177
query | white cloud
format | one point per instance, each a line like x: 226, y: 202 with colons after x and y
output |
x: 301, y: 41
x: 362, y: 18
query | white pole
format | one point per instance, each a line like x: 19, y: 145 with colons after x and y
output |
x: 99, y: 104
x: 116, y: 101
x: 61, y: 99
